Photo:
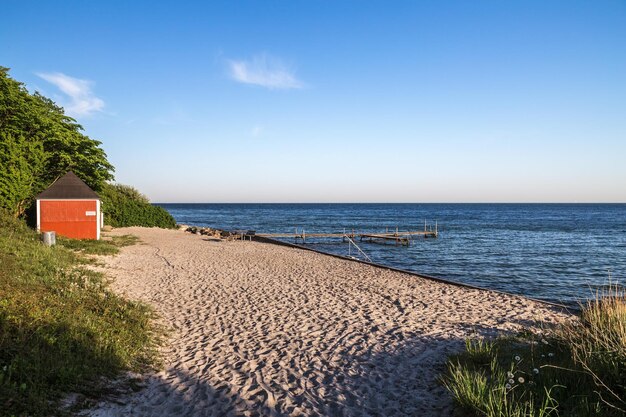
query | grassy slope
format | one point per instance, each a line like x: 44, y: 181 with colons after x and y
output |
x: 60, y: 327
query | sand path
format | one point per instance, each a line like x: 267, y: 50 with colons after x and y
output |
x: 264, y: 330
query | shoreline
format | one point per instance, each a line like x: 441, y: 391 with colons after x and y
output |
x: 262, y: 329
x: 572, y: 309
x: 560, y: 255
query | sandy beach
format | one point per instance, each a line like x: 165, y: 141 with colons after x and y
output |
x: 264, y: 330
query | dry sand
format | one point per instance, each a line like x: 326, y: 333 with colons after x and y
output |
x: 265, y: 330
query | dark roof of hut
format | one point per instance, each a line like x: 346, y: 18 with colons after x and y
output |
x: 68, y: 187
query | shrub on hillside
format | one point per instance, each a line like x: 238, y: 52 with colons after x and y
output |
x: 124, y: 206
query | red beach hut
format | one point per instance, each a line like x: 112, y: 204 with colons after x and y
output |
x: 70, y: 208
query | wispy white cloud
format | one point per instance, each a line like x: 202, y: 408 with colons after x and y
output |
x: 257, y: 131
x: 264, y: 71
x: 81, y: 101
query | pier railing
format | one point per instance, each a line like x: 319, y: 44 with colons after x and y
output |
x: 398, y: 237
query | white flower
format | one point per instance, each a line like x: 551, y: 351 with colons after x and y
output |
x: 550, y: 354
x: 511, y: 381
x: 507, y: 386
x: 521, y: 380
x: 543, y: 356
x: 536, y: 371
x: 517, y: 358
x: 509, y: 374
x: 544, y: 341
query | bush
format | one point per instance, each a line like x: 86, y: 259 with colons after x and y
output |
x: 576, y: 369
x: 124, y: 206
x: 61, y: 328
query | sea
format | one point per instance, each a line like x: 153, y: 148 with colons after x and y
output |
x: 562, y: 253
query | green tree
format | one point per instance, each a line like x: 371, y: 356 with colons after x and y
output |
x: 124, y: 206
x: 127, y: 192
x: 33, y: 123
x: 21, y: 165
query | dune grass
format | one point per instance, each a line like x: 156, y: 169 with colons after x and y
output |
x: 577, y: 368
x: 61, y: 328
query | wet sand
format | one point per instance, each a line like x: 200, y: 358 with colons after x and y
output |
x: 265, y: 330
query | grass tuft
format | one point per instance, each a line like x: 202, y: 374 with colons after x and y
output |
x: 61, y: 328
x: 98, y: 247
x: 577, y: 368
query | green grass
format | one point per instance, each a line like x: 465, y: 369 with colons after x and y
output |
x: 98, y: 247
x: 61, y: 328
x: 577, y: 368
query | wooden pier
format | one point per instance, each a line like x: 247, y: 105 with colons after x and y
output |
x: 397, y: 237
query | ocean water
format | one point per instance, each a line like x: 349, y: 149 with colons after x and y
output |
x: 556, y: 252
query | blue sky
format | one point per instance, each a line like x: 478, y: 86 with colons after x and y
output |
x: 339, y: 101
